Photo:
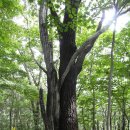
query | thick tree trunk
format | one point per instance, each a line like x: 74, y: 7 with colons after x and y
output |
x: 68, y: 114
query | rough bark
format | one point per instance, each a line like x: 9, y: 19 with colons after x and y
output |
x: 52, y: 90
x: 68, y: 114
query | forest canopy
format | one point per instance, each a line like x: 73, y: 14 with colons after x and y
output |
x: 64, y: 65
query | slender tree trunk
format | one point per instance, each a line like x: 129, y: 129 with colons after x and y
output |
x: 123, y: 121
x: 43, y: 111
x: 104, y: 119
x: 17, y: 118
x: 14, y: 119
x: 27, y: 126
x: 98, y: 125
x: 110, y: 81
x: 123, y: 111
x: 119, y: 123
x: 84, y: 127
x: 35, y: 109
x: 93, y: 100
x: 11, y: 113
x: 114, y: 124
x: 10, y: 117
x: 52, y: 107
x: 93, y: 113
x: 128, y: 124
x: 103, y: 125
x: 20, y: 121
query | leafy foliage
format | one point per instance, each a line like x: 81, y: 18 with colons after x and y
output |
x: 21, y: 77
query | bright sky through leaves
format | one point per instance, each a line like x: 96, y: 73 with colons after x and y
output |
x: 121, y: 21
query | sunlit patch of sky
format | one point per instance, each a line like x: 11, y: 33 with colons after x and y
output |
x: 121, y: 21
x: 19, y: 20
x: 22, y: 2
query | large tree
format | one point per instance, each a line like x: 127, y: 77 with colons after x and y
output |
x: 60, y: 111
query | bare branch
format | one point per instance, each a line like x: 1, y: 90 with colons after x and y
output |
x: 101, y: 21
x: 123, y: 5
x: 81, y: 57
x: 32, y: 75
x: 26, y: 69
x: 124, y: 12
x: 39, y: 65
x: 39, y: 77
